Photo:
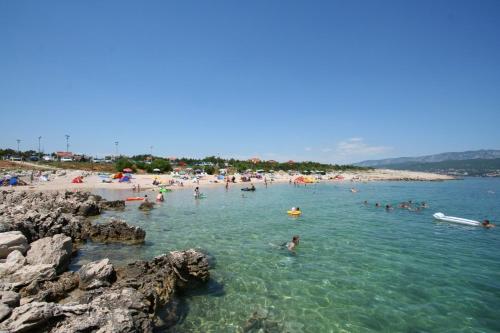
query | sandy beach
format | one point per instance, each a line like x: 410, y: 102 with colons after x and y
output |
x: 62, y: 180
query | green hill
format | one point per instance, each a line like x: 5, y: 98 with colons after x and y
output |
x: 472, y: 167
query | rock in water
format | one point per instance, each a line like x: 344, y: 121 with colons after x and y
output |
x: 146, y: 205
x: 96, y: 274
x: 116, y: 231
x: 55, y: 250
x: 10, y: 241
x: 45, y: 214
x: 114, y: 204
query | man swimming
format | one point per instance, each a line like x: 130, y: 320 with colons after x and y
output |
x: 291, y: 245
x: 487, y: 224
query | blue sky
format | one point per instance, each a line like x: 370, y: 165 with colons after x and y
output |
x: 333, y: 81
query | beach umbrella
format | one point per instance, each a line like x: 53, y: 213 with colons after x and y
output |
x: 156, y: 170
x: 128, y: 170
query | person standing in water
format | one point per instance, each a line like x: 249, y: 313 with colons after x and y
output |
x: 197, y: 192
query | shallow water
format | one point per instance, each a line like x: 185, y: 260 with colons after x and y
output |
x: 358, y: 268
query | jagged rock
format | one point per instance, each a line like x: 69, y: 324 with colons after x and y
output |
x: 96, y: 274
x: 191, y: 266
x: 9, y: 298
x: 10, y: 241
x: 5, y: 311
x: 115, y: 311
x: 115, y: 205
x: 146, y: 205
x: 158, y: 278
x: 116, y: 231
x: 40, y: 316
x: 55, y: 250
x: 51, y: 291
x: 45, y: 214
x: 29, y: 273
x: 15, y: 261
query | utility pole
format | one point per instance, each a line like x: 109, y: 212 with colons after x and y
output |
x: 67, y: 142
x: 151, y: 147
x: 18, y: 142
x: 116, y: 149
x: 39, y: 151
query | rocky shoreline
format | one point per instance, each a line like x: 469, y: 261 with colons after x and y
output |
x: 39, y: 232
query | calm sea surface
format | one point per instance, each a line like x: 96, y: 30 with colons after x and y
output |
x: 358, y: 268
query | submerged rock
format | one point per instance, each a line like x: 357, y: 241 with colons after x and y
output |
x: 10, y: 241
x: 146, y: 205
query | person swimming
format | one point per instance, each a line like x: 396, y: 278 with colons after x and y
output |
x: 160, y: 197
x: 487, y: 224
x: 291, y: 245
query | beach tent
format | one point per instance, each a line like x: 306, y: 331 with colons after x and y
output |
x: 77, y: 180
x: 13, y: 181
x: 117, y: 175
x: 124, y: 179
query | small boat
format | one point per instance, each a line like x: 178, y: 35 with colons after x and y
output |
x: 452, y: 219
x: 134, y: 199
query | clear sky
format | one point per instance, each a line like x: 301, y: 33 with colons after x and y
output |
x: 334, y: 81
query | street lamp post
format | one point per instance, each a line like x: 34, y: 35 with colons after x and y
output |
x: 116, y: 149
x: 39, y: 151
x: 67, y: 142
x: 18, y: 142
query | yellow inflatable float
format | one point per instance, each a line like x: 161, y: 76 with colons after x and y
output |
x: 294, y: 212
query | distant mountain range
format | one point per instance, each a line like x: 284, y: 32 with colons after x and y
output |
x: 468, y: 163
x: 453, y: 156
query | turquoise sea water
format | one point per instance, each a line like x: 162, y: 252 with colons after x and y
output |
x: 357, y: 269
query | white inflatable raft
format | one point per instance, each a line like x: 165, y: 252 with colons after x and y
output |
x: 442, y: 217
